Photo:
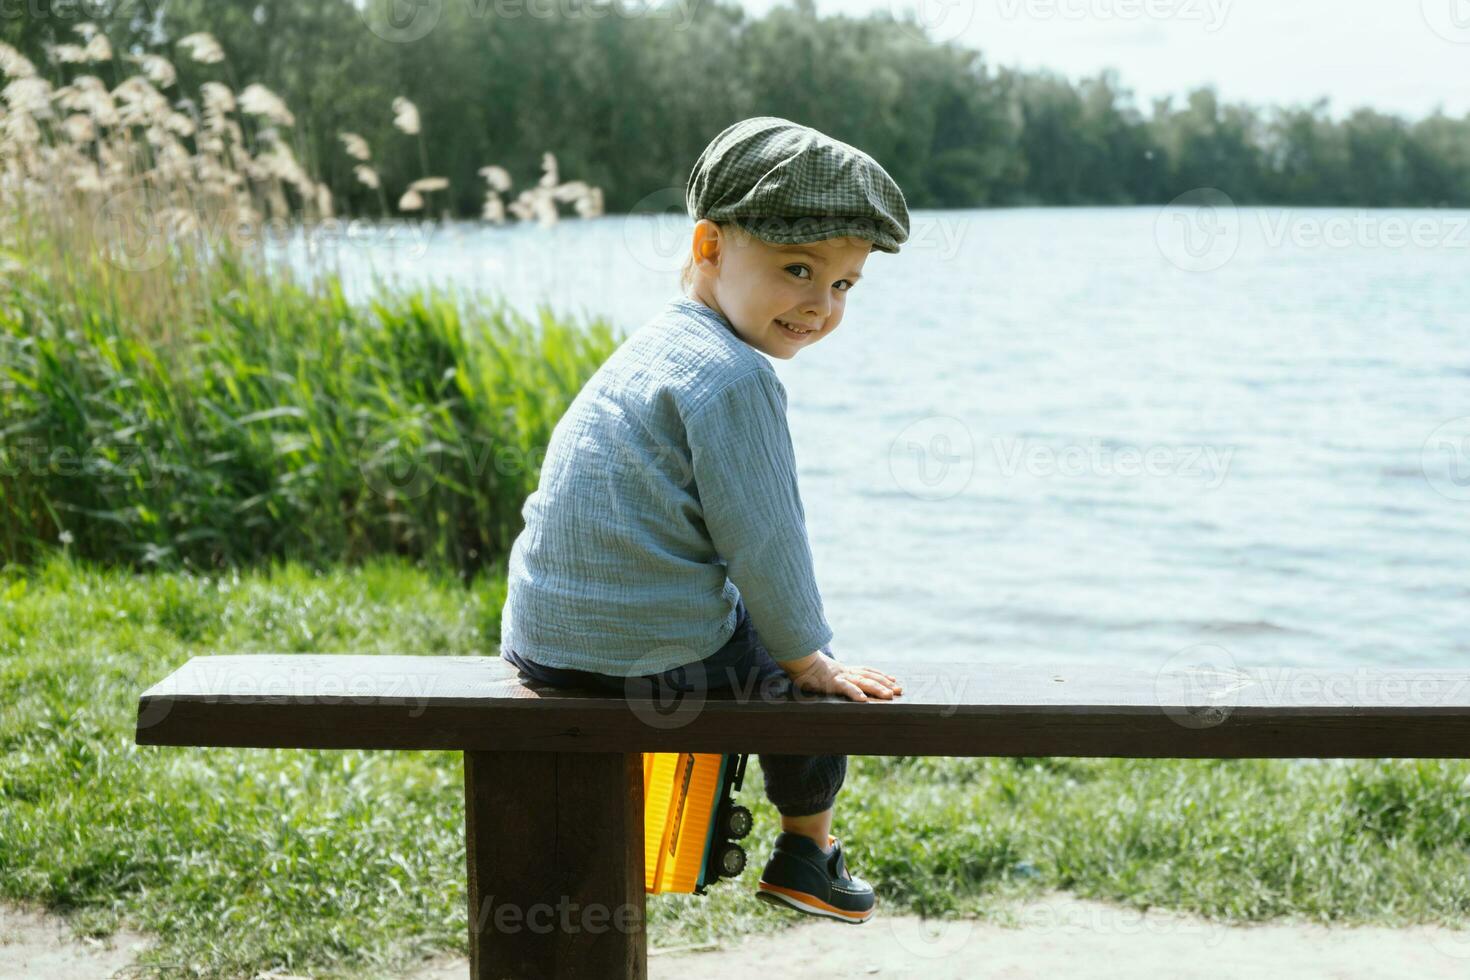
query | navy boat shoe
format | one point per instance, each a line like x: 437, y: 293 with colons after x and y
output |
x: 801, y: 876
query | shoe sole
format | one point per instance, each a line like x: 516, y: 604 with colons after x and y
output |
x: 810, y: 904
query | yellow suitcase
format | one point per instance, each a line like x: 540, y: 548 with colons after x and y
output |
x: 691, y: 820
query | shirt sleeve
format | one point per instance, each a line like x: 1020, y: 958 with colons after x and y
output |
x: 744, y: 472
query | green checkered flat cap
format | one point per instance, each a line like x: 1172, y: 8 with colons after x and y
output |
x: 790, y: 184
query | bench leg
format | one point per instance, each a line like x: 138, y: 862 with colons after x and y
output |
x: 554, y: 844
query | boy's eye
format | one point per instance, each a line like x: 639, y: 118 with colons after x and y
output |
x: 804, y: 269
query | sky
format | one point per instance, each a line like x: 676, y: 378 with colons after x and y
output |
x: 1402, y: 56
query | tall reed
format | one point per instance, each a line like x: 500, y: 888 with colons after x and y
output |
x: 170, y: 396
x: 265, y: 418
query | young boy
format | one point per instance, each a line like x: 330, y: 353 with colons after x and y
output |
x: 667, y: 540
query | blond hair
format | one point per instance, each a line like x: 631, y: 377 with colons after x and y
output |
x: 686, y: 274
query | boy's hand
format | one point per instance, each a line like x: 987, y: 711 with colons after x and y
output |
x: 818, y: 673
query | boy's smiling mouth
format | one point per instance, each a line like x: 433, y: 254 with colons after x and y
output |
x: 794, y: 332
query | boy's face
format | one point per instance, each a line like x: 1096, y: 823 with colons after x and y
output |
x: 759, y: 286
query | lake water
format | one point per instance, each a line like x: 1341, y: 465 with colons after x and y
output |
x: 1138, y: 435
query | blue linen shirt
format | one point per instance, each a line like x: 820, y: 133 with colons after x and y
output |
x: 668, y: 493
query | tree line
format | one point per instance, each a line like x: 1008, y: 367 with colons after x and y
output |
x: 627, y: 95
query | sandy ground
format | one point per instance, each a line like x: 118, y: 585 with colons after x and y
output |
x: 1059, y: 935
x: 39, y: 944
x: 1062, y: 936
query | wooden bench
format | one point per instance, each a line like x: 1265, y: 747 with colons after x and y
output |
x: 553, y: 778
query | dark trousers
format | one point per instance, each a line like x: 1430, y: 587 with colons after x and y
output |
x: 798, y: 785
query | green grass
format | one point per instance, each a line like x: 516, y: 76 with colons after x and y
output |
x: 214, y: 414
x: 351, y: 863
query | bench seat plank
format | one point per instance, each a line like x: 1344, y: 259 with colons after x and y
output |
x: 949, y: 709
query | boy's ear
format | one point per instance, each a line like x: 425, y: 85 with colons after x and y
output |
x: 707, y: 240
